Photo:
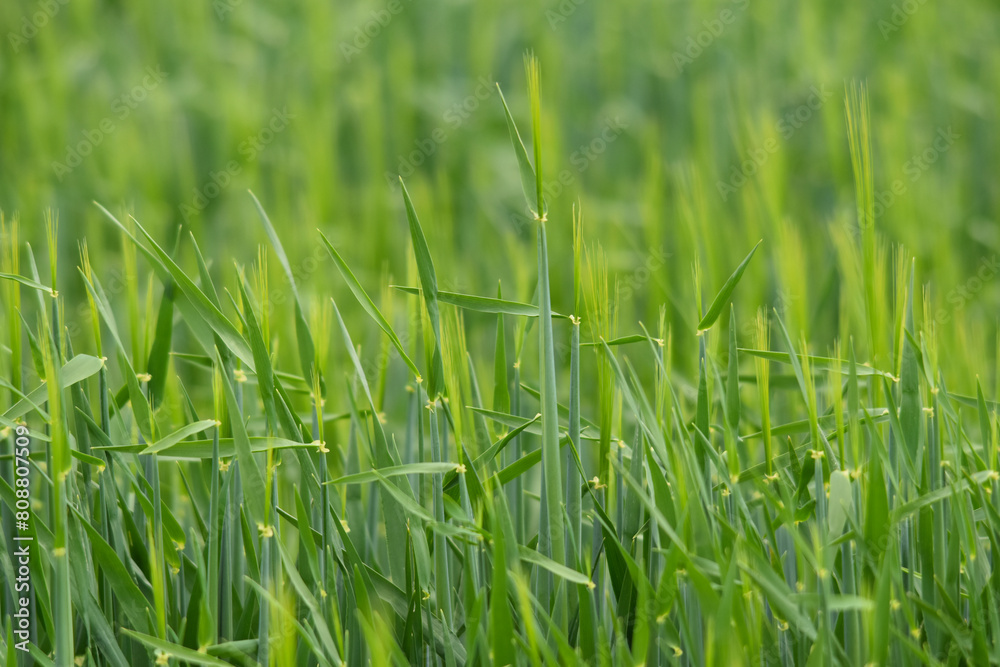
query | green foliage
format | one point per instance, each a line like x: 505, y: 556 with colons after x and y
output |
x: 244, y: 482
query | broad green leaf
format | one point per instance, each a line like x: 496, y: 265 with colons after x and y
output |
x: 841, y: 502
x: 77, y: 369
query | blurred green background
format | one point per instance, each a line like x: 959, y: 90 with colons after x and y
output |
x: 686, y: 131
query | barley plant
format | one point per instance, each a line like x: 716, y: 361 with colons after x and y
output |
x: 838, y: 509
x: 720, y: 455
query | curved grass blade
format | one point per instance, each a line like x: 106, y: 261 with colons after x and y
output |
x: 369, y: 305
x: 910, y: 410
x: 254, y: 488
x: 395, y: 521
x: 62, y: 465
x: 523, y: 163
x: 826, y: 364
x: 203, y: 306
x: 501, y: 390
x: 428, y: 280
x: 534, y: 558
x: 261, y: 355
x: 159, y: 352
x: 370, y: 476
x: 175, y: 650
x: 727, y: 290
x: 481, y: 304
x: 193, y: 450
x: 553, y: 544
x: 621, y: 340
x: 77, y: 369
x: 27, y: 282
x: 134, y: 605
x: 307, y: 349
x: 181, y: 434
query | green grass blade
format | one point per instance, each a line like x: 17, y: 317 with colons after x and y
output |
x: 428, y: 281
x: 307, y: 349
x: 369, y: 305
x: 501, y: 391
x: 77, y: 369
x: 733, y: 408
x: 392, y: 511
x: 254, y: 495
x: 61, y: 470
x: 203, y: 306
x: 528, y: 181
x: 171, y: 650
x: 481, y: 304
x: 910, y: 409
x: 27, y: 282
x: 367, y: 477
x: 501, y: 619
x: 134, y: 605
x: 727, y: 290
x: 178, y: 435
x: 554, y: 545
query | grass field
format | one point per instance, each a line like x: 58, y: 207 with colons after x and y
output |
x: 671, y: 342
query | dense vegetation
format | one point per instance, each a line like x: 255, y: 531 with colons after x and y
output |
x: 716, y: 391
